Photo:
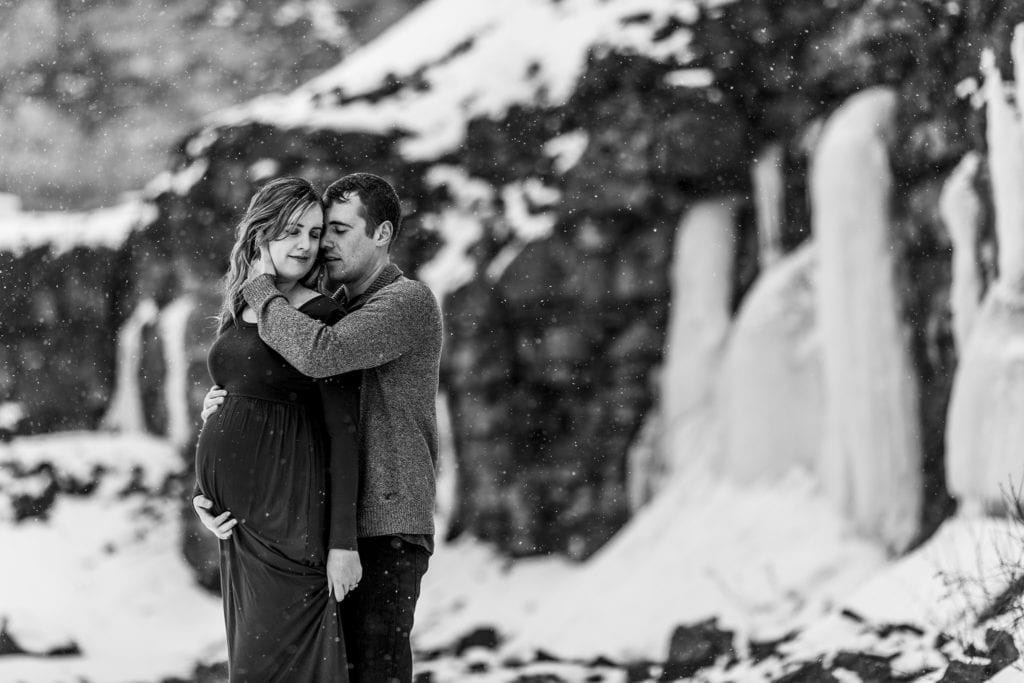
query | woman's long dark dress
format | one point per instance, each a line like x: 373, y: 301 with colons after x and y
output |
x: 263, y: 455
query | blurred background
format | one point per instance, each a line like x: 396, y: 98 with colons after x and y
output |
x: 97, y: 95
x: 732, y: 293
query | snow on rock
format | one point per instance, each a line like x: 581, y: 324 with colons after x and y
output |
x: 872, y: 456
x: 62, y: 231
x: 459, y: 227
x: 11, y: 414
x: 92, y: 560
x: 478, y: 60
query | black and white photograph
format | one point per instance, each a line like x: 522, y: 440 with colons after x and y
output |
x: 511, y: 341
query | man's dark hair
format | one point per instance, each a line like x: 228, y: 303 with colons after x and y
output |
x: 380, y: 201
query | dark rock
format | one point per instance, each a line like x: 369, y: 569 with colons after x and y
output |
x: 851, y: 615
x: 962, y: 672
x: 1001, y: 650
x: 478, y: 667
x: 692, y: 648
x: 204, y: 673
x: 602, y: 661
x: 640, y: 671
x: 878, y: 44
x: 485, y: 637
x: 26, y: 506
x: 888, y: 629
x: 810, y: 672
x: 69, y: 650
x: 763, y: 649
x: 870, y: 668
x: 8, y: 645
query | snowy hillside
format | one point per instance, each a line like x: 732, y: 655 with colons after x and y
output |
x: 481, y: 59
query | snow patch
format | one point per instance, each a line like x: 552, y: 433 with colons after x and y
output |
x: 62, y: 231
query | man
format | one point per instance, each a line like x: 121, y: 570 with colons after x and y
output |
x: 392, y: 332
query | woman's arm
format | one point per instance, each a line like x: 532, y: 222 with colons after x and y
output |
x: 340, y: 416
x: 340, y: 405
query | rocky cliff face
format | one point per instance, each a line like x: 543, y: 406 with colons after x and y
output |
x: 546, y: 153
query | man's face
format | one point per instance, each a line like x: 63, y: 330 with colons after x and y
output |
x: 347, y: 251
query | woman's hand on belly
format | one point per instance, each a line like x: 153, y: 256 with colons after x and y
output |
x: 221, y: 525
x: 214, y: 397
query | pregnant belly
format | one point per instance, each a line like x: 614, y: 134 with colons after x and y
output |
x: 263, y: 461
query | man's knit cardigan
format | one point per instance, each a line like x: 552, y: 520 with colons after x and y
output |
x: 395, y: 338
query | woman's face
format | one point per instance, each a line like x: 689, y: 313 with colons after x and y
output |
x: 294, y: 251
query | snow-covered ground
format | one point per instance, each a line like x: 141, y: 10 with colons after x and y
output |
x: 100, y: 578
x: 102, y: 572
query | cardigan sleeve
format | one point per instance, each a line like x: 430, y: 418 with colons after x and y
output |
x: 394, y: 320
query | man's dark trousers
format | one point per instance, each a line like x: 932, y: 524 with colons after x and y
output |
x: 377, y: 616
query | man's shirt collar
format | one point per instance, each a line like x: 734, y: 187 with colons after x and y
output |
x: 387, y: 275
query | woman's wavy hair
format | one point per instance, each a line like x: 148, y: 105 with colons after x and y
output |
x: 272, y: 209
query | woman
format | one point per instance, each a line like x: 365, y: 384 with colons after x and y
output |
x: 264, y: 458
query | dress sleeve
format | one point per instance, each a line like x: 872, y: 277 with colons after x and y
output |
x: 340, y: 400
x: 341, y: 419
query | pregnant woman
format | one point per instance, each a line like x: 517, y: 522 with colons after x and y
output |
x: 268, y: 461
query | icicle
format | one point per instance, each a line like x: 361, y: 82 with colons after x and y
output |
x: 172, y: 324
x: 961, y: 212
x: 871, y: 464
x: 771, y: 397
x: 984, y: 429
x: 702, y: 285
x: 125, y: 411
x: 769, y: 197
x: 645, y: 461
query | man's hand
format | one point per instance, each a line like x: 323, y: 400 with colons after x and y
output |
x: 263, y: 265
x: 214, y: 397
x: 343, y: 572
x: 221, y: 525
